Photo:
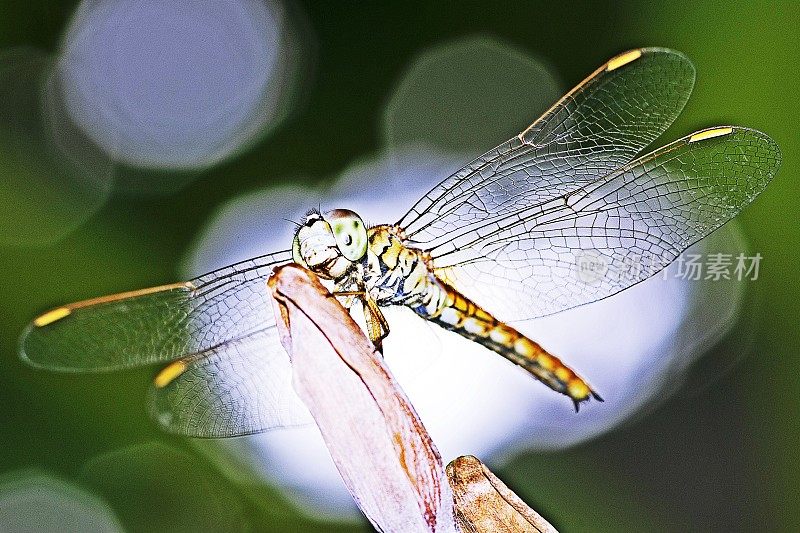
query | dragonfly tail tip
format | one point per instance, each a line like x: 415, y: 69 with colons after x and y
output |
x: 593, y: 394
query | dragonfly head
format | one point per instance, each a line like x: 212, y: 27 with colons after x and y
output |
x: 329, y: 243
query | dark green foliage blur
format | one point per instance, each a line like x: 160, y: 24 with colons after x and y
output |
x: 720, y: 455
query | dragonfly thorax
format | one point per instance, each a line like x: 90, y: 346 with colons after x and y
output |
x: 330, y: 244
x: 398, y: 274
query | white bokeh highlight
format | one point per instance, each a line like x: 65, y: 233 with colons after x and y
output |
x: 174, y: 85
x: 633, y: 348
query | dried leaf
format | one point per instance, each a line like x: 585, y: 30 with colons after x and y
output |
x: 375, y: 437
x: 484, y: 503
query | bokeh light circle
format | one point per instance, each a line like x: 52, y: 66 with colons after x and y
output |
x: 52, y: 176
x: 457, y: 96
x: 634, y: 348
x: 174, y: 85
x: 35, y: 501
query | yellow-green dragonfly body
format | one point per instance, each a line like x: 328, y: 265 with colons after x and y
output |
x: 498, y: 241
x: 378, y: 266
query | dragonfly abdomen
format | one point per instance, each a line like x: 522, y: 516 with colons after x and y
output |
x: 461, y: 315
x: 400, y: 275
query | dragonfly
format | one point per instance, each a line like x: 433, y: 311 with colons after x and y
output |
x: 497, y: 242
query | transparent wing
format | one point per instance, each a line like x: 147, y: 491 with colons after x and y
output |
x: 597, y: 127
x: 241, y: 388
x: 631, y: 224
x: 155, y: 325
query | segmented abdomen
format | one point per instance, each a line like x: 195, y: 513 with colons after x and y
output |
x: 461, y: 315
x: 401, y: 275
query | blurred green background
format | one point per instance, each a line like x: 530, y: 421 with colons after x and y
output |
x: 718, y: 456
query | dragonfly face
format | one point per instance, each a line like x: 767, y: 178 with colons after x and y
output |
x: 496, y: 242
x: 330, y: 243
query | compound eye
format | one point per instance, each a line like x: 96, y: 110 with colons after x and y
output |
x: 350, y: 233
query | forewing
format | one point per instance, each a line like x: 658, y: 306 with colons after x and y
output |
x: 596, y: 128
x: 155, y: 325
x: 630, y: 225
x: 242, y: 387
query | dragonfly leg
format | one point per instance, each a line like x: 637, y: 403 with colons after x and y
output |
x: 377, y: 325
x: 348, y: 298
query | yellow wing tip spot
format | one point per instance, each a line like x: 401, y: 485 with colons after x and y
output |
x: 169, y: 373
x: 51, y: 316
x: 710, y: 134
x: 623, y: 59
